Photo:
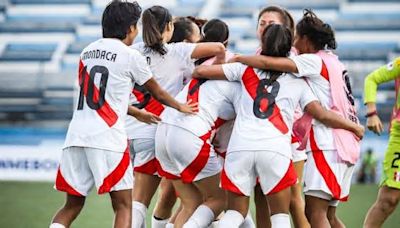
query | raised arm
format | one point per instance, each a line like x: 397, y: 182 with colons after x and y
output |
x: 333, y: 120
x: 162, y: 96
x: 267, y: 62
x: 209, y: 49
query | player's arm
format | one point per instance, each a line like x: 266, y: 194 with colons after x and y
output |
x: 143, y: 116
x: 267, y: 62
x: 371, y: 82
x: 214, y: 72
x: 162, y: 96
x: 208, y: 49
x: 332, y: 119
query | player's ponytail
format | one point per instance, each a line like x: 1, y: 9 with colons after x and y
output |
x: 277, y: 42
x: 155, y: 20
x: 320, y: 34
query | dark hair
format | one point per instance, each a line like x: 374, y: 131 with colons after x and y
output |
x: 117, y: 18
x: 214, y: 30
x: 198, y: 21
x: 276, y: 41
x: 155, y: 20
x: 285, y: 16
x: 183, y: 29
x: 319, y: 33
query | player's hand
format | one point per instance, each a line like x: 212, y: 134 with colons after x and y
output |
x: 234, y: 59
x: 189, y: 108
x: 359, y: 131
x: 374, y: 124
x: 148, y: 117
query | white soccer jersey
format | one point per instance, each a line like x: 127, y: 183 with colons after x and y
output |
x: 265, y: 114
x: 107, y: 70
x: 312, y: 67
x: 169, y: 71
x: 216, y: 101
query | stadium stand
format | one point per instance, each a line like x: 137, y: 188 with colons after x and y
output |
x: 40, y: 43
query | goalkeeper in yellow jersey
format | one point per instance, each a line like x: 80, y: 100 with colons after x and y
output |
x: 389, y: 193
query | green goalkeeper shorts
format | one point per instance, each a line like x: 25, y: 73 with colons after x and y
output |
x: 391, y: 163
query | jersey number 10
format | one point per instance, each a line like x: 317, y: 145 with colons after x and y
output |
x: 95, y: 98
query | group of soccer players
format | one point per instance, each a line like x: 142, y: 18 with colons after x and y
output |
x: 209, y: 127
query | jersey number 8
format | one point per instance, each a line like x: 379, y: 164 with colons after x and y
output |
x: 264, y: 101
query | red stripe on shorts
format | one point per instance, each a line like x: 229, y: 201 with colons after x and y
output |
x: 324, y: 169
x: 288, y: 180
x: 195, y: 167
x: 227, y: 184
x: 105, y: 111
x: 62, y: 185
x: 149, y: 167
x: 117, y: 174
x: 251, y: 81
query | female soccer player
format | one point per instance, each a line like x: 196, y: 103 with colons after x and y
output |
x: 168, y: 62
x: 278, y: 15
x: 95, y: 151
x: 199, y: 168
x: 389, y: 193
x: 185, y: 30
x: 265, y: 114
x: 329, y: 167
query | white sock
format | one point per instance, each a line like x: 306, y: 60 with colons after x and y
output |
x: 248, y: 222
x: 56, y: 225
x: 280, y: 220
x: 139, y: 211
x: 158, y: 223
x: 169, y: 225
x: 231, y: 219
x: 203, y: 216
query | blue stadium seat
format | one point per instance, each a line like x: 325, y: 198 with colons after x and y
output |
x: 77, y: 47
x: 365, y: 51
x: 50, y: 1
x: 28, y: 52
x: 37, y: 27
x: 370, y: 21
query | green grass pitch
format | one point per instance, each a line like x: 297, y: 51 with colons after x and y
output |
x: 31, y: 204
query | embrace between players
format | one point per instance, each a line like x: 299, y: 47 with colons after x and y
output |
x: 209, y: 131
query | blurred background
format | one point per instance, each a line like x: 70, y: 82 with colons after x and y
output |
x: 40, y: 43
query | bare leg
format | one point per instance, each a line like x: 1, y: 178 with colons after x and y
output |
x: 166, y: 200
x: 333, y: 219
x: 190, y: 197
x: 215, y: 197
x: 385, y: 204
x: 71, y: 209
x: 122, y: 206
x: 297, y: 205
x: 317, y: 211
x: 145, y: 187
x: 262, y: 208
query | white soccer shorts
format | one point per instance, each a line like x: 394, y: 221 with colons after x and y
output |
x: 81, y: 168
x: 184, y: 155
x: 143, y: 156
x: 327, y: 176
x: 275, y: 172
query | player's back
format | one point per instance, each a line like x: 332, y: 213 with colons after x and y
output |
x: 107, y: 69
x: 216, y: 99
